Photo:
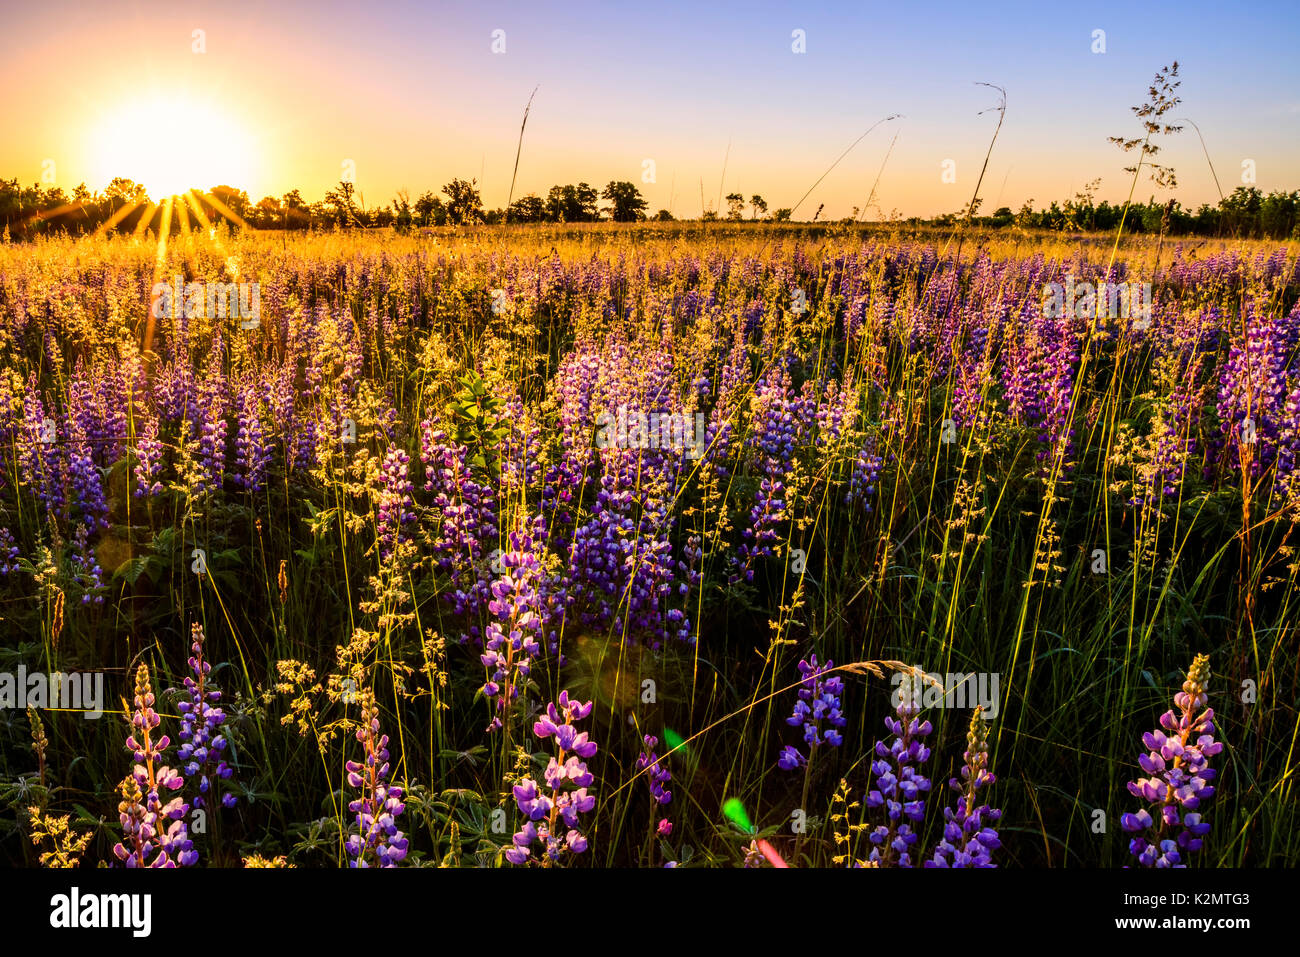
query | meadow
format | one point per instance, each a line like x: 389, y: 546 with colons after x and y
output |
x: 449, y: 627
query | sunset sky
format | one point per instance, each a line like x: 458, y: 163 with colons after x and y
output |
x: 413, y: 95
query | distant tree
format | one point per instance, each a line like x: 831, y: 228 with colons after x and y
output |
x: 295, y: 213
x: 572, y: 204
x: 236, y: 200
x: 268, y: 213
x: 628, y: 206
x: 320, y: 212
x: 782, y: 215
x: 759, y: 205
x: 464, y: 205
x: 1279, y: 215
x: 342, y: 206
x: 402, y: 215
x: 663, y: 216
x: 528, y: 209
x: 430, y: 211
x: 122, y: 191
x: 735, y: 206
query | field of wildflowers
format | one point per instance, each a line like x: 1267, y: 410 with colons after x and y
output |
x: 367, y: 590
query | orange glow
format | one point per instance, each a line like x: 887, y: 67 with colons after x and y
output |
x: 170, y: 145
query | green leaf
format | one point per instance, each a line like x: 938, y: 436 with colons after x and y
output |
x: 131, y: 569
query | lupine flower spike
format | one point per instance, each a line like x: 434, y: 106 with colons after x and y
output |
x: 817, y: 710
x: 153, y: 833
x: 969, y: 838
x: 202, y: 744
x: 377, y: 841
x: 547, y: 815
x: 900, y: 786
x: 1172, y: 826
x: 659, y: 776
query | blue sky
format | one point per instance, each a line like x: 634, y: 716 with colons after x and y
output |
x: 413, y: 95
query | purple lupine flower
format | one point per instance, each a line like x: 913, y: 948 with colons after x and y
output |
x: 1172, y: 826
x: 867, y: 466
x: 252, y: 452
x: 8, y: 552
x: 202, y: 744
x: 394, y: 512
x: 466, y: 513
x: 148, y: 458
x: 377, y: 842
x: 972, y: 375
x: 900, y: 785
x: 1287, y: 483
x: 791, y: 758
x: 511, y: 641
x: 87, y: 485
x: 969, y: 837
x: 658, y: 776
x: 212, y: 428
x: 39, y: 452
x: 817, y: 710
x: 85, y: 567
x: 552, y: 819
x: 778, y: 423
x: 154, y: 832
x: 1253, y: 387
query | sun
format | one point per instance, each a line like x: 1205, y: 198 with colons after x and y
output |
x: 170, y: 144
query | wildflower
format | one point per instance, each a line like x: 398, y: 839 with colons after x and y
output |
x: 202, y: 744
x: 511, y: 641
x: 659, y: 776
x: 818, y: 710
x: 900, y: 786
x: 552, y: 818
x: 252, y: 452
x: 394, y: 512
x: 968, y: 836
x: 154, y: 833
x: 8, y: 552
x: 377, y: 841
x: 67, y: 843
x: 1172, y: 826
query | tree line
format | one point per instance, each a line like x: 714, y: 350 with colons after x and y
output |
x: 126, y: 206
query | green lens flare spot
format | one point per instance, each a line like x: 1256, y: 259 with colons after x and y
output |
x: 735, y: 812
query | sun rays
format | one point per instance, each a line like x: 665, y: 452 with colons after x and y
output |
x: 171, y: 141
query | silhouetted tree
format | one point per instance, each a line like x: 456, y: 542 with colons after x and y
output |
x: 464, y: 205
x: 628, y: 206
x: 572, y: 204
x: 430, y: 211
x: 528, y: 209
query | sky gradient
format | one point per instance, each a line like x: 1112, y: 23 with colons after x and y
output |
x: 413, y: 94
